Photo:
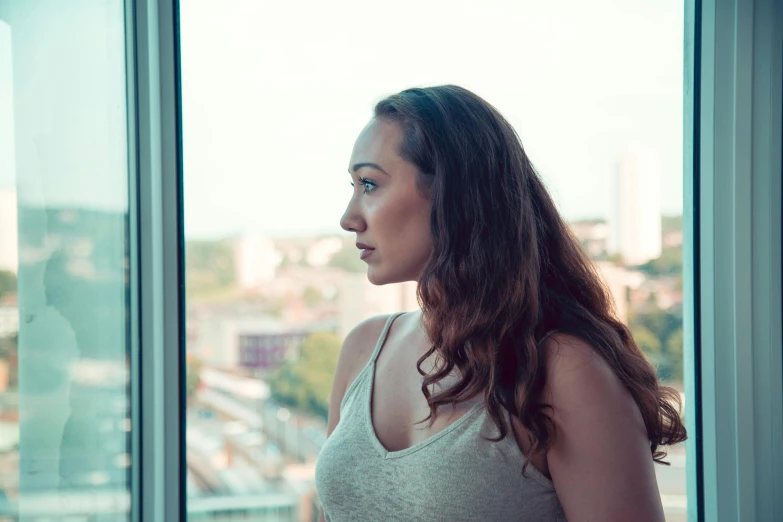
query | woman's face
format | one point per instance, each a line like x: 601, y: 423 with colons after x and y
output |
x: 386, y: 211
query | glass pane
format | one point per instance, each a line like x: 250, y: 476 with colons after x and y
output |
x: 64, y: 400
x: 274, y: 96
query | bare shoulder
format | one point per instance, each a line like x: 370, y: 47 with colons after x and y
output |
x: 578, y: 377
x: 356, y: 351
x: 359, y: 345
x: 599, y: 433
x: 569, y: 357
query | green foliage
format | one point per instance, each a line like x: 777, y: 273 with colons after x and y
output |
x: 347, y: 258
x: 671, y: 224
x: 312, y: 296
x: 275, y: 307
x: 7, y: 282
x: 286, y: 262
x: 659, y: 334
x: 8, y: 345
x: 674, y: 348
x: 668, y: 264
x: 616, y: 258
x: 649, y: 343
x: 193, y: 375
x: 209, y: 265
x: 306, y: 383
x: 9, y: 348
x: 678, y: 283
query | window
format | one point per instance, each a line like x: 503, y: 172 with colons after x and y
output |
x: 137, y: 135
x: 65, y: 408
x: 272, y: 100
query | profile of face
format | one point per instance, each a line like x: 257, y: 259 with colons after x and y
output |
x: 388, y: 214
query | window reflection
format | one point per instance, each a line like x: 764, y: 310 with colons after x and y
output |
x: 64, y: 379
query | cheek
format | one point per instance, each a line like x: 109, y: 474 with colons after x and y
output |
x: 402, y: 219
x: 416, y: 217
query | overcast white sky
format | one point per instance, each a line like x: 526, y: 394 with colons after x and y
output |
x: 274, y: 94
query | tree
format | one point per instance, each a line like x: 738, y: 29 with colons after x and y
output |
x: 7, y: 283
x: 209, y: 265
x: 306, y: 383
x: 674, y: 352
x: 312, y: 296
x: 348, y: 259
x: 616, y: 258
x: 671, y: 224
x: 193, y: 375
x: 665, y: 326
x: 648, y: 342
x: 9, y: 348
x: 668, y: 264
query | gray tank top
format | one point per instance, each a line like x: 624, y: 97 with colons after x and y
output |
x: 452, y: 476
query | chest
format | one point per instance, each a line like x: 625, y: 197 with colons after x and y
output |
x: 454, y: 478
x: 398, y: 404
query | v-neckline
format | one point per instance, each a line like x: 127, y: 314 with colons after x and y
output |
x: 385, y: 453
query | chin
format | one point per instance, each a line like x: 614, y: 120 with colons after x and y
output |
x: 380, y: 278
x: 377, y: 278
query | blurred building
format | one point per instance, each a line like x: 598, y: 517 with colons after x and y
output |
x: 621, y: 283
x: 593, y: 235
x: 9, y: 240
x: 322, y: 250
x: 673, y: 239
x: 256, y: 261
x: 266, y: 351
x: 255, y: 344
x: 636, y: 218
x: 9, y: 245
x: 9, y: 319
x: 359, y: 299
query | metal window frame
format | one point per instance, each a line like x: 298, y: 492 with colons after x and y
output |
x: 156, y: 270
x: 734, y: 116
x: 691, y: 259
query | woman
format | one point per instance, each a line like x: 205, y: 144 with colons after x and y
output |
x: 538, y: 404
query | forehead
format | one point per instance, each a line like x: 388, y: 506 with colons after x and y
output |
x: 377, y: 143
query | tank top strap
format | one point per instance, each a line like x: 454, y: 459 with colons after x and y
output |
x: 382, y: 337
x: 361, y: 380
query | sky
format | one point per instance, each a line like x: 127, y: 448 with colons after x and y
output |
x: 275, y: 93
x: 63, y: 109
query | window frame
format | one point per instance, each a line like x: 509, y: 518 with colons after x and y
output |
x: 733, y: 259
x: 156, y: 262
x: 733, y: 84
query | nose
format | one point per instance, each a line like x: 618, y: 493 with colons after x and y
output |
x: 352, y: 220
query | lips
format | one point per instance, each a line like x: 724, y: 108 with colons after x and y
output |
x: 366, y: 250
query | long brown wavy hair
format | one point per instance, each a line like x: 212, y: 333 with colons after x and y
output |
x: 506, y: 271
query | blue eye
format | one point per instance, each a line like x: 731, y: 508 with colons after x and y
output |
x: 368, y: 184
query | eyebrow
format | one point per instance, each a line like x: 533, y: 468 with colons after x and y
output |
x: 370, y: 165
